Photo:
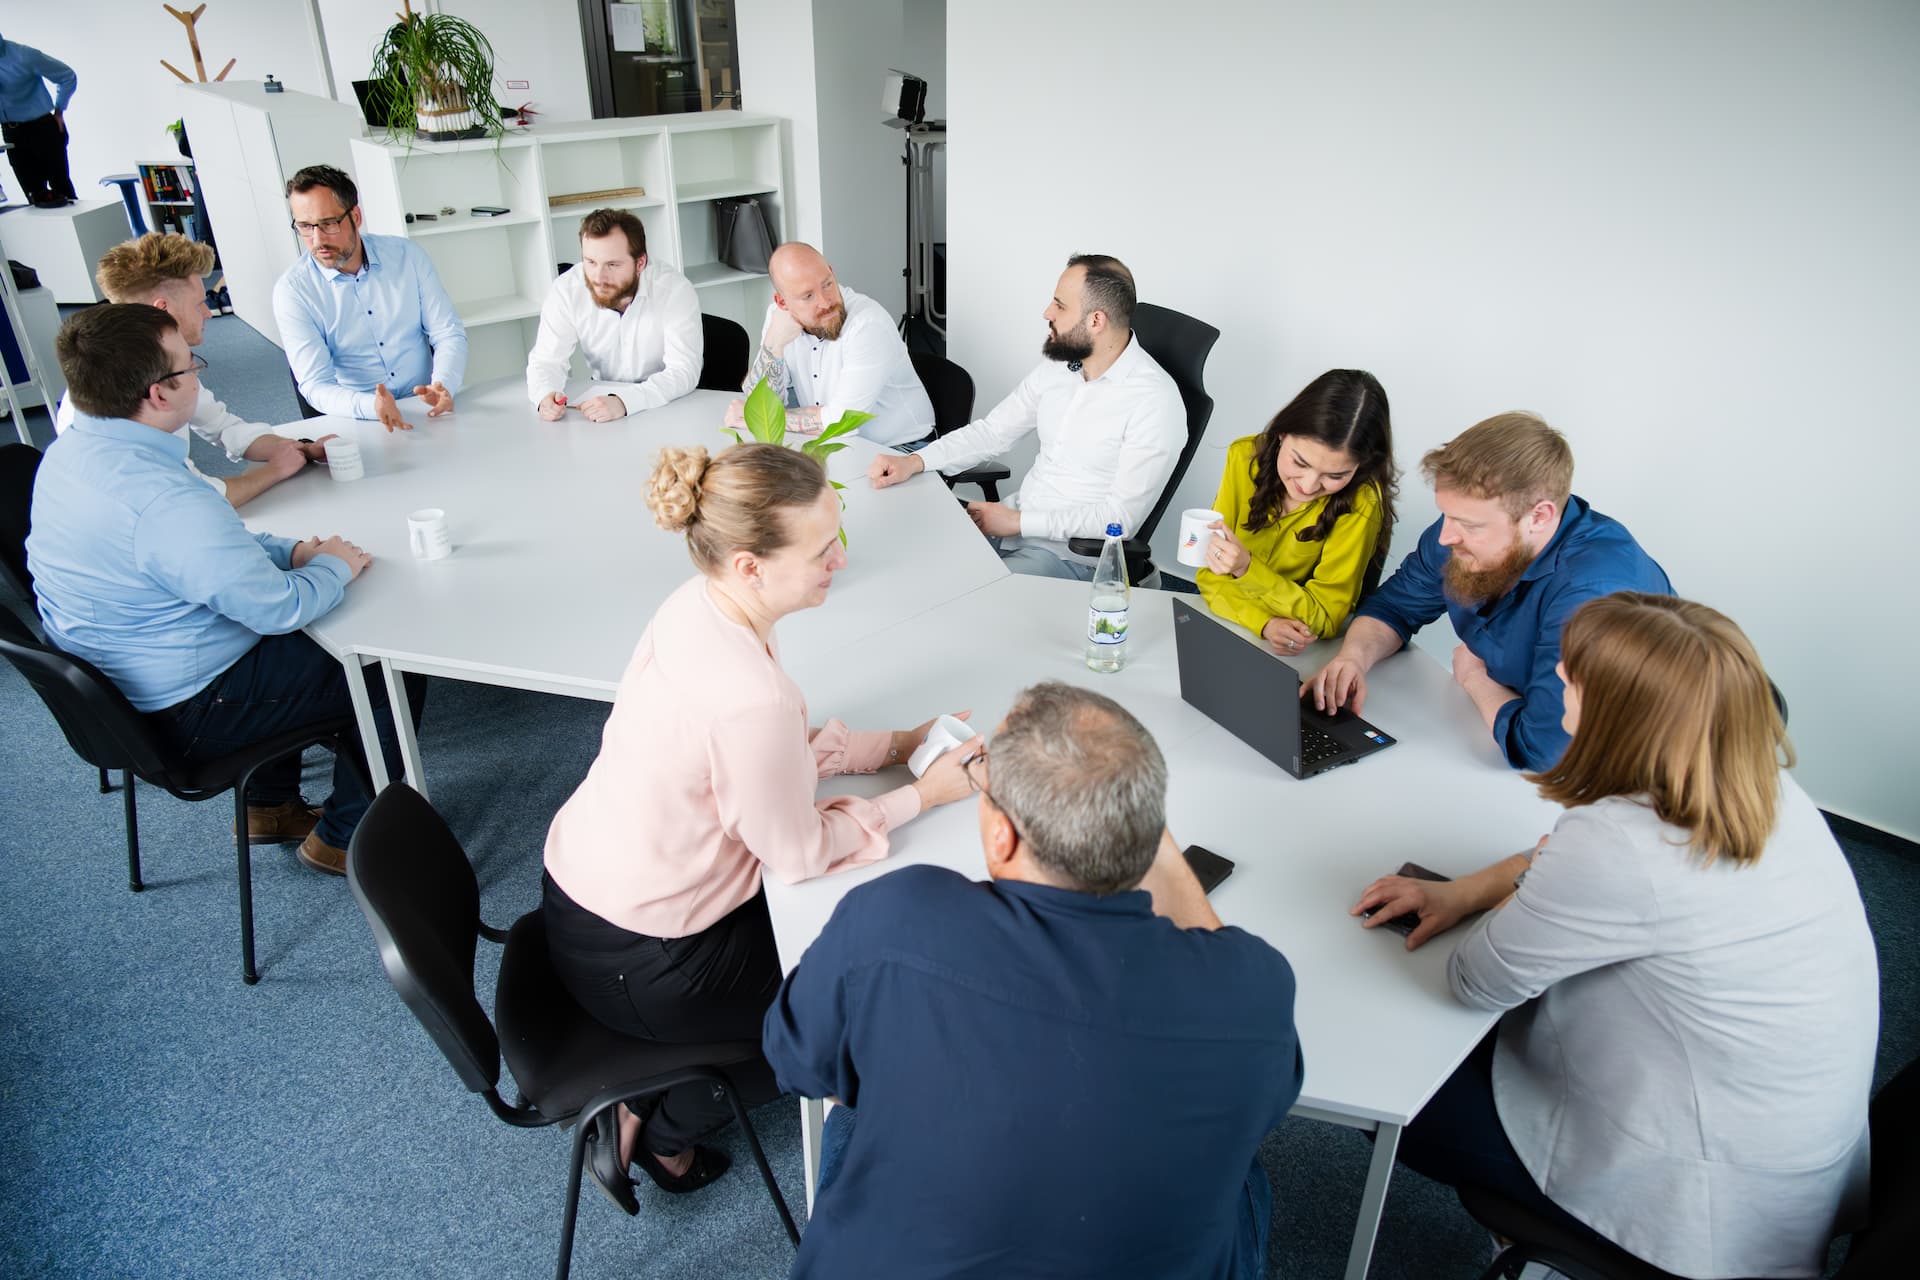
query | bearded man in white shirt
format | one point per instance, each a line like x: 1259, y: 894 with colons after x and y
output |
x: 636, y: 323
x: 826, y: 350
x: 168, y: 271
x: 1111, y: 426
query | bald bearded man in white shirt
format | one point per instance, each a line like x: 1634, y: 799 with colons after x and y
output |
x: 636, y: 323
x: 826, y: 350
x: 1111, y: 426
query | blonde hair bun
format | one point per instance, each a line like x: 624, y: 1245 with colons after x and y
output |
x: 673, y: 491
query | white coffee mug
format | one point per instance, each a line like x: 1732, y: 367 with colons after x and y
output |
x: 427, y: 534
x: 1194, y: 535
x: 946, y: 733
x: 343, y: 459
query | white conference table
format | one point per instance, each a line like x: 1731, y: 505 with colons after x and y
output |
x: 1378, y: 1027
x: 557, y: 563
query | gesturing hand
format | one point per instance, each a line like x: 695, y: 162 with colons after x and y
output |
x: 387, y: 409
x: 436, y: 397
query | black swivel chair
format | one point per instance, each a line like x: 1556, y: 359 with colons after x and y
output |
x: 1180, y: 344
x: 19, y: 464
x: 951, y: 389
x: 418, y: 891
x: 105, y: 730
x: 724, y: 367
x: 1892, y: 1232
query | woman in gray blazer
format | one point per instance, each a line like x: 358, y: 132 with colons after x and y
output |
x: 1694, y: 991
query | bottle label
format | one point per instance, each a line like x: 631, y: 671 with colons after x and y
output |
x: 1106, y: 626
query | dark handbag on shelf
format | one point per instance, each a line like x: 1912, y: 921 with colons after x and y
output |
x: 24, y: 276
x: 744, y: 233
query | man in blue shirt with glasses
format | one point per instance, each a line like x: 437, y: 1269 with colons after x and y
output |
x: 364, y: 319
x: 1513, y: 554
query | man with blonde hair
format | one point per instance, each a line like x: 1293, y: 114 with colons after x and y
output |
x: 1513, y: 554
x: 166, y: 270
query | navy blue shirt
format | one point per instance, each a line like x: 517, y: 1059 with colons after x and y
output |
x: 1518, y: 634
x: 1048, y: 1083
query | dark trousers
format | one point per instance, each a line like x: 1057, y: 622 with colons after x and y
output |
x: 1457, y: 1139
x: 711, y: 985
x: 39, y: 156
x: 280, y: 684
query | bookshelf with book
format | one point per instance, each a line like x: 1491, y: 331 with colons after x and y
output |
x: 168, y: 188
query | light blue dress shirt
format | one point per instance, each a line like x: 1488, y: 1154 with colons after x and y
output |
x: 146, y: 572
x: 23, y: 95
x: 391, y: 322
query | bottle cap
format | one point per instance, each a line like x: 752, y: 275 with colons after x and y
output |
x: 1113, y: 531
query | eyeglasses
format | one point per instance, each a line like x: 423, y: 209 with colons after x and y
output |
x: 966, y: 766
x: 195, y: 363
x: 310, y: 229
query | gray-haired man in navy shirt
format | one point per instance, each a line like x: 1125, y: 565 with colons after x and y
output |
x: 1066, y: 1070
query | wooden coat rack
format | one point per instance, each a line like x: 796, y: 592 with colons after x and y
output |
x: 193, y: 42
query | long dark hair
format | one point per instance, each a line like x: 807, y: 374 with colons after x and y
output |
x: 1344, y: 409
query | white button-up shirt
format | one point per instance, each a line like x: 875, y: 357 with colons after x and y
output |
x: 647, y: 355
x: 210, y: 421
x: 865, y: 368
x: 1106, y: 447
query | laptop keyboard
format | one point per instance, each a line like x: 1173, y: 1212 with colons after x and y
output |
x: 1317, y: 746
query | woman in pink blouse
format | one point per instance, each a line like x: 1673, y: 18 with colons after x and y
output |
x: 706, y: 776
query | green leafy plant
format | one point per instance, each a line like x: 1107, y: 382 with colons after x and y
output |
x: 435, y: 73
x: 767, y: 422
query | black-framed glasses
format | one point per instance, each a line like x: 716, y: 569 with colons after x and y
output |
x: 195, y: 364
x: 325, y: 224
x: 966, y: 766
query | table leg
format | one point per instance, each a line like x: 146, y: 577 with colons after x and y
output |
x: 403, y: 727
x: 369, y: 727
x: 1373, y: 1200
x: 813, y: 1120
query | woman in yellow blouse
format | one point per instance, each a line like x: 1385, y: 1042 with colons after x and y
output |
x: 1308, y: 507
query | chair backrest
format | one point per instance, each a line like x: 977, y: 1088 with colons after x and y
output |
x: 724, y: 367
x: 101, y: 726
x: 1179, y: 344
x: 18, y: 464
x: 418, y: 891
x: 949, y: 387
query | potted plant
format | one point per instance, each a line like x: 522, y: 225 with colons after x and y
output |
x: 433, y: 74
x: 767, y: 422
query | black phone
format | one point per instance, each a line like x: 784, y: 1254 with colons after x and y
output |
x: 1208, y: 867
x: 1407, y: 923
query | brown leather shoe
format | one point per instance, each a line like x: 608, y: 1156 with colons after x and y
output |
x: 322, y: 856
x: 280, y: 823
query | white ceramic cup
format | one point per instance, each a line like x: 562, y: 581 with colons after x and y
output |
x: 947, y: 733
x: 343, y: 459
x: 427, y: 534
x: 1194, y: 535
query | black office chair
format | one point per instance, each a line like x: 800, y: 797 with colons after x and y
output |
x: 724, y: 367
x: 19, y: 464
x: 418, y: 891
x: 951, y: 389
x: 1884, y: 1247
x: 105, y: 730
x: 1179, y: 344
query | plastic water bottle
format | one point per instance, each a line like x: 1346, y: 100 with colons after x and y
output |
x: 1107, y: 615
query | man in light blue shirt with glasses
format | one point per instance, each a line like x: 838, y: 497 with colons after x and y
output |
x: 143, y: 570
x: 364, y: 319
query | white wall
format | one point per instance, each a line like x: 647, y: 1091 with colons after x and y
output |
x: 1684, y: 234
x: 126, y: 98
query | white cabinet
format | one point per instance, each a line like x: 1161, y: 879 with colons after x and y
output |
x: 497, y: 269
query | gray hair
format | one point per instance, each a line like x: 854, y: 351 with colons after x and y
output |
x: 1108, y: 288
x: 1085, y: 785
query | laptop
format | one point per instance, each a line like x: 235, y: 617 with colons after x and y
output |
x: 1255, y: 696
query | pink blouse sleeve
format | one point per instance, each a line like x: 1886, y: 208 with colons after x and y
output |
x: 764, y: 772
x: 838, y: 749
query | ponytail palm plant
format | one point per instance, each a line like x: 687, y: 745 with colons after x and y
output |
x: 435, y: 73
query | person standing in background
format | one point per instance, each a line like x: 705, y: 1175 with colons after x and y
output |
x: 34, y: 122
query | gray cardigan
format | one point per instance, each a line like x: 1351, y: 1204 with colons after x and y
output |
x: 1692, y: 1079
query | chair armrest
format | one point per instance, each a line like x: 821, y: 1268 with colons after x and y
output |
x: 1138, y: 555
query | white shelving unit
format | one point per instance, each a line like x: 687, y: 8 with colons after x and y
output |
x: 497, y: 269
